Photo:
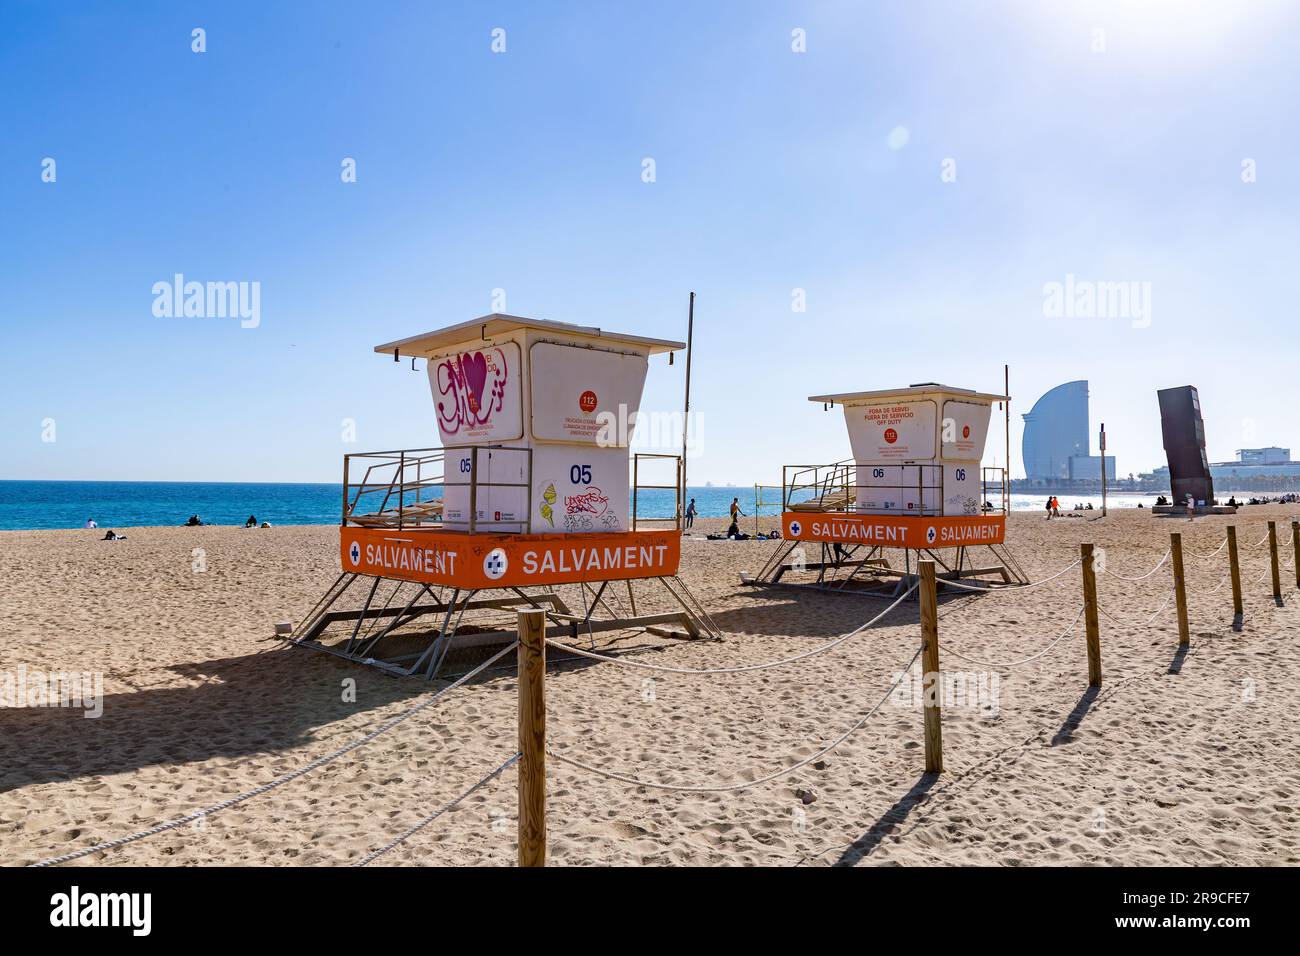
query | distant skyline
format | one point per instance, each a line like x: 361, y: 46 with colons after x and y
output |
x: 862, y: 196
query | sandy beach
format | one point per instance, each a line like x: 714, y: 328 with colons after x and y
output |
x: 1186, y: 760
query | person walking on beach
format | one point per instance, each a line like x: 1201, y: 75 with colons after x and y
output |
x: 1056, y: 507
x: 690, y: 513
x: 735, y: 509
x: 1049, y: 509
x: 1191, y: 507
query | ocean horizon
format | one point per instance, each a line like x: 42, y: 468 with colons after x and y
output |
x: 51, y: 505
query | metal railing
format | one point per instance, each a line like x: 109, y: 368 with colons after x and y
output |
x: 407, y: 488
x: 994, y: 480
x: 675, y: 487
x: 836, y: 487
x: 388, y: 495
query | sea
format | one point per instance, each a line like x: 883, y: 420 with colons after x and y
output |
x: 32, y: 505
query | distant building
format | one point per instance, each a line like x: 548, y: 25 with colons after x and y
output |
x: 1258, y: 469
x: 1056, y: 430
x: 1088, y: 468
x: 1264, y: 456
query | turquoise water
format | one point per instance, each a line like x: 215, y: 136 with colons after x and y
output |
x: 123, y: 504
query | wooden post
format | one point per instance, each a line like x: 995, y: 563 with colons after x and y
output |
x: 1238, y: 612
x: 532, y: 737
x: 931, y: 685
x: 1090, y: 616
x: 1272, y: 556
x: 1295, y: 550
x: 1180, y: 585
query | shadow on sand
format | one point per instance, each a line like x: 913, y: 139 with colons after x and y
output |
x: 1075, y: 718
x: 244, y: 706
x: 866, y: 844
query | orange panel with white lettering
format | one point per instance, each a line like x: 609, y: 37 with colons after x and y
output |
x: 474, y: 561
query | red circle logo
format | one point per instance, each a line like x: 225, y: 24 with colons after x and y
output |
x: 587, y: 401
x: 891, y: 436
x: 965, y: 431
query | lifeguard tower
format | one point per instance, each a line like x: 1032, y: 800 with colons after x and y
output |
x: 915, y: 485
x: 528, y: 491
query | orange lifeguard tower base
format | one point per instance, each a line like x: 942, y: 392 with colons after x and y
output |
x: 529, y: 491
x: 914, y: 486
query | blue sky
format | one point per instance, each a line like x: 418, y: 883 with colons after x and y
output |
x: 1113, y: 157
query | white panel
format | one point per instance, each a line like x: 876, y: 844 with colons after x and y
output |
x: 895, y: 488
x: 502, y: 499
x: 578, y: 489
x: 478, y: 395
x: 572, y: 386
x: 892, y: 431
x: 968, y: 431
x: 961, y: 489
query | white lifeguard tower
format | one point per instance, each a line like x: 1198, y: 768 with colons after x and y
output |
x: 528, y: 491
x: 914, y: 485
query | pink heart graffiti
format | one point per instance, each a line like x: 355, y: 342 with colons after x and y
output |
x: 474, y: 367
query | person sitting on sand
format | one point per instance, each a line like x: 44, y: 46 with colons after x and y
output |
x: 251, y: 522
x: 194, y: 522
x: 90, y: 523
x: 733, y: 529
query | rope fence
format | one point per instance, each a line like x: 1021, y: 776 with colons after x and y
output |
x: 280, y: 780
x: 1160, y: 564
x: 739, y: 669
x: 439, y: 812
x: 736, y: 787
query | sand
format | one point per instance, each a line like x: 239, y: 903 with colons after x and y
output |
x: 1180, y: 759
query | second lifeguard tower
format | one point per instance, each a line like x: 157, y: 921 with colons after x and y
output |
x: 915, y: 484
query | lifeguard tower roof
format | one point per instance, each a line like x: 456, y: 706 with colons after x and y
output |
x: 922, y: 390
x: 487, y: 326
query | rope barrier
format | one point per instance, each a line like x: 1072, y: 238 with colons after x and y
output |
x: 1209, y: 554
x: 1261, y: 542
x: 278, y: 781
x: 437, y: 813
x: 1158, y: 566
x: 739, y: 669
x: 1218, y: 587
x: 655, y: 785
x: 947, y: 582
x: 949, y: 652
x: 1147, y: 623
